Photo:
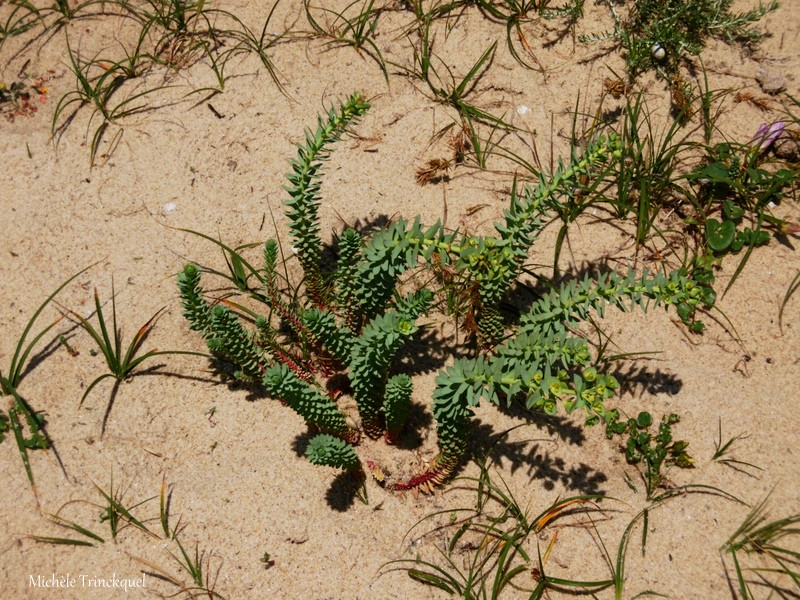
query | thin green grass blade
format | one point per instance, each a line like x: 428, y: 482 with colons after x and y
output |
x: 116, y: 330
x: 457, y: 536
x: 430, y: 579
x: 595, y: 585
x: 16, y: 376
x: 195, y: 568
x: 224, y: 247
x: 163, y: 511
x: 135, y: 363
x: 92, y: 386
x: 117, y: 507
x: 460, y: 90
x: 510, y: 548
x: 60, y: 541
x: 137, y: 340
x: 645, y: 522
x: 743, y: 587
x: 16, y: 426
x: 22, y: 352
x: 103, y: 340
x: 79, y: 528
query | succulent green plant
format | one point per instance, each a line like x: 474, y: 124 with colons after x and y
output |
x: 356, y: 318
x: 640, y: 447
x: 397, y: 405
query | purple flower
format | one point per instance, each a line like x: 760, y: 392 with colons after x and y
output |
x: 767, y: 134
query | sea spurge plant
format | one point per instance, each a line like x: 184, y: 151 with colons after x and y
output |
x: 493, y: 263
x: 350, y: 246
x: 370, y: 355
x: 356, y: 319
x: 329, y: 451
x: 304, y: 186
x: 575, y: 300
x: 220, y: 327
x: 337, y: 339
x: 229, y: 339
x: 195, y: 308
x: 270, y: 276
x: 390, y: 253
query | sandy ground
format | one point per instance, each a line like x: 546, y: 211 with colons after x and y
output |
x: 232, y: 461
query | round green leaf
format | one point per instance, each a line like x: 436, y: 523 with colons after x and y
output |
x: 644, y: 420
x: 719, y: 235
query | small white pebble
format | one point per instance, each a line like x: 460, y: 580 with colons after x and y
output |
x: 771, y: 204
x: 522, y: 110
x: 293, y: 249
x: 169, y: 207
x: 658, y: 51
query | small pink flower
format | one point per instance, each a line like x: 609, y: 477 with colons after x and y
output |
x: 767, y: 134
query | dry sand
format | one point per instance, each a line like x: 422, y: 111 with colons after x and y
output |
x: 233, y: 462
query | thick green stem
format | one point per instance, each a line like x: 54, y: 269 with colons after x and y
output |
x: 370, y: 359
x: 307, y: 401
x: 397, y: 406
x: 304, y: 187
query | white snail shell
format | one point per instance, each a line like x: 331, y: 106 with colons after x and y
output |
x: 658, y: 51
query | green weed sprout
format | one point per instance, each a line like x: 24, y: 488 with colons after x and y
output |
x: 737, y: 184
x: 774, y: 539
x: 453, y: 91
x: 355, y: 31
x: 119, y: 515
x: 173, y: 35
x: 97, y: 85
x: 114, y: 512
x: 24, y: 16
x: 722, y: 450
x: 655, y: 451
x: 121, y: 363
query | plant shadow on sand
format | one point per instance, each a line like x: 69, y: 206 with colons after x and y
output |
x: 542, y: 464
